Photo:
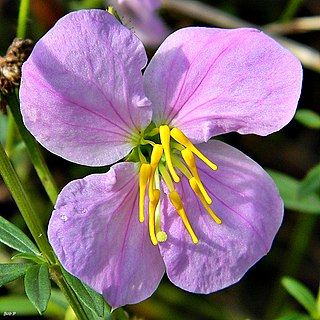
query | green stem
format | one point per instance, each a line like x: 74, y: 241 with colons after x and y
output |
x: 34, y: 150
x: 291, y: 10
x: 60, y: 280
x: 21, y: 33
x: 23, y: 18
x: 301, y: 237
x: 11, y: 133
x: 20, y: 197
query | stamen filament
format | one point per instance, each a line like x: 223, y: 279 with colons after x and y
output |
x: 166, y: 177
x: 152, y: 209
x: 165, y: 141
x: 145, y: 171
x: 177, y: 203
x: 144, y: 142
x: 179, y: 136
x: 160, y: 235
x: 191, y: 163
x: 142, y: 158
x: 181, y: 167
x: 195, y: 188
x: 156, y: 155
x: 153, y: 132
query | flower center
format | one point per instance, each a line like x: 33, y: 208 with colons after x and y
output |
x: 160, y: 153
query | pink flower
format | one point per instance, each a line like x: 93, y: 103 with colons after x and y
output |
x: 141, y: 16
x: 167, y: 207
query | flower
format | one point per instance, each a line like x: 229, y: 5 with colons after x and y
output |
x: 167, y: 207
x: 141, y: 15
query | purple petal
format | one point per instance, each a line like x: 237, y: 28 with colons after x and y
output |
x: 208, y: 81
x: 141, y: 17
x: 248, y: 203
x: 96, y: 234
x: 82, y: 89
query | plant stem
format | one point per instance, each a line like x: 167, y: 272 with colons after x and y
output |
x: 21, y: 33
x: 60, y: 280
x: 11, y: 132
x: 20, y: 197
x: 291, y: 9
x: 34, y: 150
x: 23, y: 18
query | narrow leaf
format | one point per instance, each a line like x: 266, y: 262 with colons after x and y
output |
x: 290, y: 193
x: 308, y: 118
x: 15, y: 238
x: 295, y: 316
x: 38, y: 286
x: 311, y: 183
x: 89, y: 297
x: 29, y: 256
x: 12, y: 271
x: 301, y: 293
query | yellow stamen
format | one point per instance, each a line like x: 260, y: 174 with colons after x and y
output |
x: 152, y: 209
x: 177, y: 203
x: 165, y: 141
x: 181, y: 138
x: 191, y: 163
x: 155, y: 158
x: 195, y: 188
x: 145, y: 171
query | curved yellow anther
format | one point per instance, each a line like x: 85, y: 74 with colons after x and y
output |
x: 165, y: 141
x: 177, y: 203
x: 156, y: 155
x: 189, y: 159
x: 152, y: 209
x: 195, y: 188
x: 179, y: 136
x: 145, y: 171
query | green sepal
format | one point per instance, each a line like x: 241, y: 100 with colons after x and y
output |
x: 12, y: 271
x: 37, y: 285
x: 29, y: 256
x: 302, y: 294
x: 15, y: 238
x: 89, y: 297
x: 290, y: 193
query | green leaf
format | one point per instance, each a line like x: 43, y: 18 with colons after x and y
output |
x: 29, y: 256
x: 308, y: 118
x: 15, y: 238
x: 38, y: 286
x: 311, y: 183
x: 89, y: 297
x: 290, y: 193
x: 302, y: 294
x: 295, y: 316
x: 12, y: 271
